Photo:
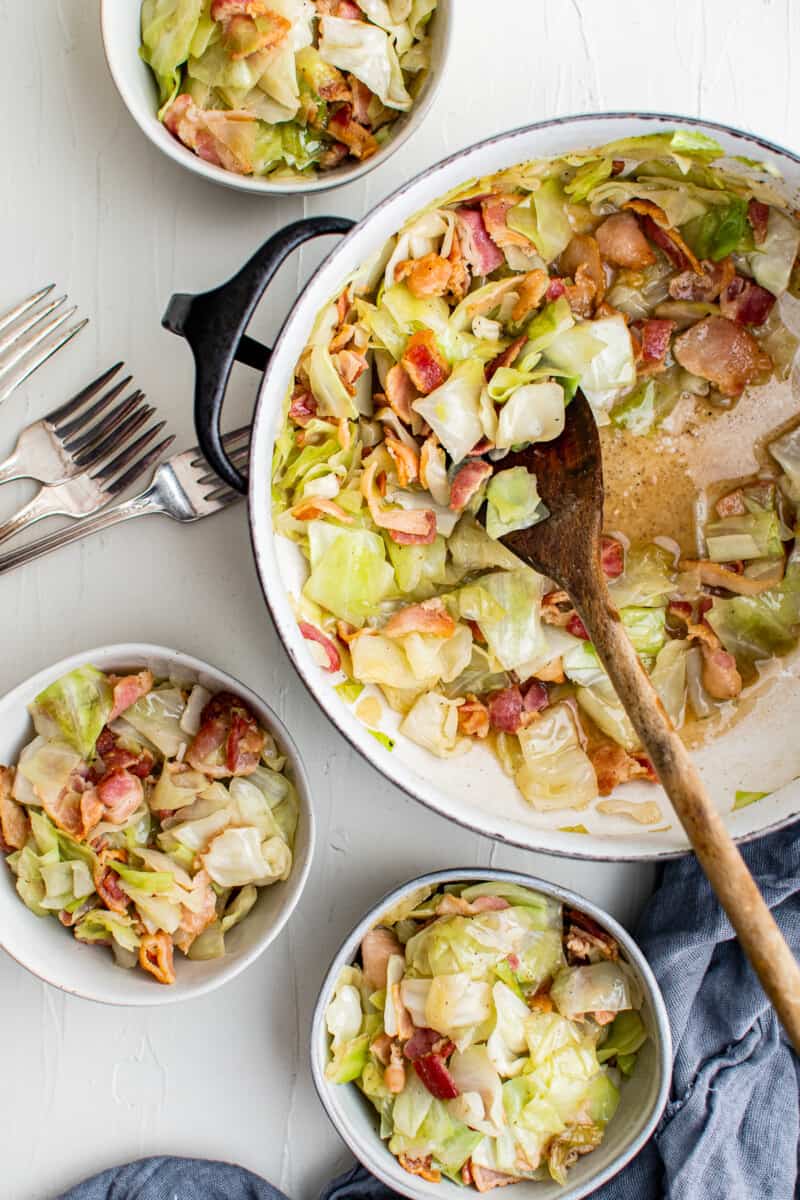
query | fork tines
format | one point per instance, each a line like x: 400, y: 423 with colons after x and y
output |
x: 31, y: 333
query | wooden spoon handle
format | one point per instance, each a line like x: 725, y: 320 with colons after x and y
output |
x: 716, y: 851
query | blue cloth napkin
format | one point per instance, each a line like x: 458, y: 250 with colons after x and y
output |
x: 732, y: 1126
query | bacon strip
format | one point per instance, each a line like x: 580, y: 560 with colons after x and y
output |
x: 621, y: 242
x: 360, y: 141
x: 614, y: 766
x: 312, y: 634
x: 426, y: 276
x: 303, y: 408
x: 706, y: 286
x: 612, y: 557
x: 128, y: 689
x: 377, y: 947
x: 223, y: 137
x: 156, y: 956
x: 430, y: 617
x: 505, y: 358
x: 120, y: 793
x: 495, y: 210
x: 14, y: 824
x: 746, y: 302
x: 467, y: 482
x: 400, y: 392
x: 654, y: 338
x: 758, y: 216
x: 723, y: 352
x: 424, y: 362
x: 478, y: 248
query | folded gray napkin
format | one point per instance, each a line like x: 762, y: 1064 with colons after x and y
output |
x: 732, y: 1126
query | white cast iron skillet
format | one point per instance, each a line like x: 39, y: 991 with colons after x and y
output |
x: 754, y: 756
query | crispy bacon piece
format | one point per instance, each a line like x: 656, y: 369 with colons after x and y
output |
x: 76, y: 812
x: 451, y: 906
x: 425, y: 1041
x: 576, y: 627
x: 224, y: 137
x: 350, y: 366
x: 312, y: 634
x: 424, y: 362
x: 460, y: 278
x: 108, y: 889
x: 405, y: 459
x: 621, y: 242
x: 303, y: 408
x: 477, y: 247
x: 657, y: 228
x: 14, y: 824
x: 586, y: 940
x: 732, y: 505
x: 758, y: 216
x: 229, y: 741
x: 359, y: 141
x: 155, y: 956
x: 581, y: 294
x: 377, y: 947
x: 310, y: 508
x: 407, y: 527
x: 536, y: 697
x: 434, y: 1074
x: 723, y: 352
x: 532, y: 289
x: 485, y: 1179
x: 120, y: 793
x: 581, y: 260
x: 128, y: 689
x: 612, y: 557
x: 505, y: 358
x: 430, y: 617
x: 613, y: 766
x: 113, y: 756
x: 495, y: 210
x: 652, y: 340
x: 746, y: 302
x: 705, y: 286
x: 467, y: 482
x: 506, y: 709
x: 555, y: 289
x: 421, y: 1167
x: 361, y: 98
x: 473, y: 717
x: 426, y: 276
x: 400, y: 392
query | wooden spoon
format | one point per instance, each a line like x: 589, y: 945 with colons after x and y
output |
x: 566, y: 548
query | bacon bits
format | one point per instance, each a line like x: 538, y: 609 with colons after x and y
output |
x: 467, y: 482
x: 312, y: 634
x: 229, y: 741
x: 477, y: 247
x: 745, y: 302
x: 424, y: 362
x: 723, y: 352
x: 622, y: 243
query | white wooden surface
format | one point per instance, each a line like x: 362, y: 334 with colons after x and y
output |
x: 88, y: 202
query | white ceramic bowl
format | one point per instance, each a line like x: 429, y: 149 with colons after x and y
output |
x: 51, y: 952
x: 121, y: 32
x: 643, y: 1095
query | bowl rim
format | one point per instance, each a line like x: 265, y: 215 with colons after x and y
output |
x: 635, y: 955
x: 264, y: 547
x: 130, y: 653
x: 260, y: 185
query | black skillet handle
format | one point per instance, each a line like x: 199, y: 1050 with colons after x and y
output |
x: 214, y: 325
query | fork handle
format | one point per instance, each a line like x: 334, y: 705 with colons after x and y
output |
x: 755, y: 926
x: 12, y: 469
x: 42, y: 505
x: 138, y: 506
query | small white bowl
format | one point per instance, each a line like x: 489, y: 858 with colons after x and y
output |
x: 121, y: 32
x: 51, y: 952
x: 642, y: 1099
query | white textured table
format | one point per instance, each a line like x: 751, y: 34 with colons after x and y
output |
x: 89, y: 203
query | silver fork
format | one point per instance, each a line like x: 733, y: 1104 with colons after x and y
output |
x: 71, y: 438
x: 86, y: 493
x: 31, y: 333
x: 183, y: 488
